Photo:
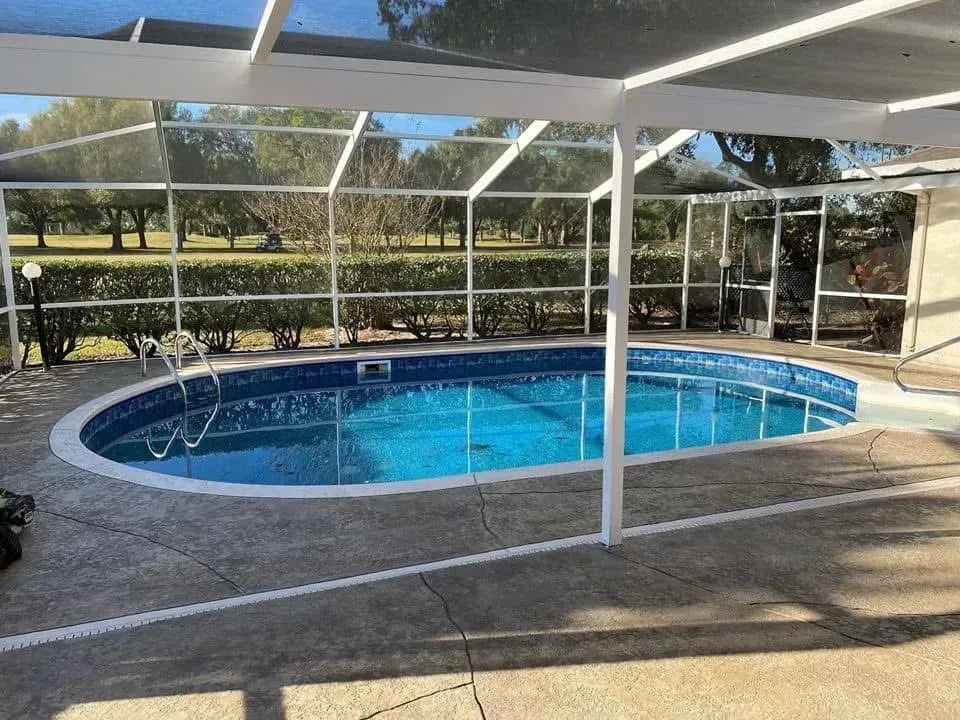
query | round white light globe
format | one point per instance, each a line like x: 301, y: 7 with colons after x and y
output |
x: 726, y: 262
x: 31, y: 271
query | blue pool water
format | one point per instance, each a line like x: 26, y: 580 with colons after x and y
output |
x: 417, y: 430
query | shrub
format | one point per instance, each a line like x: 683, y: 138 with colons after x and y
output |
x: 219, y: 325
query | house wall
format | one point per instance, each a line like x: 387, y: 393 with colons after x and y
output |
x: 933, y: 305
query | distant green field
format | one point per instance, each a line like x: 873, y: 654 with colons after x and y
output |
x: 158, y: 243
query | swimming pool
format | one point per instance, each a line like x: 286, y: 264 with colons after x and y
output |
x: 419, y: 421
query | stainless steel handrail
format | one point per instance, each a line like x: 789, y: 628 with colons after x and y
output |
x: 162, y: 354
x: 181, y: 426
x: 917, y: 355
x: 178, y: 351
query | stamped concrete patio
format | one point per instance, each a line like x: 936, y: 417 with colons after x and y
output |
x: 846, y: 612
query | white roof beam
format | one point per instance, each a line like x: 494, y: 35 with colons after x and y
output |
x: 798, y: 32
x: 741, y: 111
x: 922, y: 103
x: 849, y: 155
x: 271, y: 23
x: 647, y: 159
x: 720, y: 172
x: 83, y: 67
x: 359, y: 128
x: 522, y: 142
x: 81, y: 140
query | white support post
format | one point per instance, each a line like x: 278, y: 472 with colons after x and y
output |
x: 8, y: 286
x: 271, y: 23
x: 469, y: 269
x: 171, y: 218
x: 724, y: 249
x: 818, y: 277
x: 774, y: 272
x: 618, y: 299
x: 588, y: 272
x: 509, y: 155
x: 687, y: 250
x: 334, y: 292
x: 918, y: 252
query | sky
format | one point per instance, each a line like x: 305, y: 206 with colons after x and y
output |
x: 351, y: 18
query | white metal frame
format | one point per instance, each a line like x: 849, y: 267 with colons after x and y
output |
x: 85, y: 67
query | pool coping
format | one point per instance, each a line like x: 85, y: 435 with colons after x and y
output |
x: 65, y: 440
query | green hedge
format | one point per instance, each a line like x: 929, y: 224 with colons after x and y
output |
x: 219, y: 325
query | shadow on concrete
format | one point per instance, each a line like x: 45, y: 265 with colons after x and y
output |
x: 878, y: 575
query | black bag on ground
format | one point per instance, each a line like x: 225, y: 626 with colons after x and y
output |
x: 10, y: 549
x: 16, y: 509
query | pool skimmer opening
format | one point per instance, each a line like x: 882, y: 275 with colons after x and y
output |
x: 370, y: 371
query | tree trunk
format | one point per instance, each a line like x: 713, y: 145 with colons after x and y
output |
x: 443, y: 221
x: 232, y: 236
x: 140, y: 218
x: 181, y: 234
x: 41, y: 243
x: 116, y: 229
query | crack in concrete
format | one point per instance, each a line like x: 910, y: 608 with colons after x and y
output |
x: 678, y: 487
x: 732, y: 600
x: 483, y: 513
x: 239, y: 590
x: 411, y: 701
x: 873, y: 461
x: 466, y: 643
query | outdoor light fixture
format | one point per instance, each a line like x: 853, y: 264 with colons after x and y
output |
x: 725, y: 262
x: 32, y: 272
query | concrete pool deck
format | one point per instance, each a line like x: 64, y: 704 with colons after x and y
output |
x: 845, y: 611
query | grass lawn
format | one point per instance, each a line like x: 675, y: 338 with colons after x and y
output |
x: 158, y: 245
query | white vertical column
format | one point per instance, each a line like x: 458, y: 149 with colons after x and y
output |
x: 469, y: 269
x: 725, y: 249
x: 687, y: 245
x: 818, y: 277
x: 618, y: 299
x: 9, y: 291
x: 334, y: 296
x: 774, y: 272
x: 171, y: 218
x: 588, y: 277
x: 918, y: 252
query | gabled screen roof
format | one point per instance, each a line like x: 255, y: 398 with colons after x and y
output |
x: 900, y: 56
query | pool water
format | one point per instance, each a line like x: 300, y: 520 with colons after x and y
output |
x: 387, y: 433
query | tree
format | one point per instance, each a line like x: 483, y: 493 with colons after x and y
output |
x: 39, y: 208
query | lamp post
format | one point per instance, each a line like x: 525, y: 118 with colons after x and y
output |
x: 725, y: 262
x: 32, y: 272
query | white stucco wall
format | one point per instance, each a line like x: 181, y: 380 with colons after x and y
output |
x: 934, y: 292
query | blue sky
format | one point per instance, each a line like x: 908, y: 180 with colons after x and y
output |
x: 352, y: 18
x: 20, y: 107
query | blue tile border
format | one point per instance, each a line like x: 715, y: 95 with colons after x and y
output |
x: 166, y: 401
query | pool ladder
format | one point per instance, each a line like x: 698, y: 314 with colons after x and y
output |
x: 916, y: 356
x: 179, y: 342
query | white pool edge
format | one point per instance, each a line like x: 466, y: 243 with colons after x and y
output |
x: 65, y: 440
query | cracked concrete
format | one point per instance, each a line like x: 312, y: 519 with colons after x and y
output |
x: 569, y: 634
x: 466, y: 643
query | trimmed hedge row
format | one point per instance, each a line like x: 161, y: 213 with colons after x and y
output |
x: 219, y: 325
